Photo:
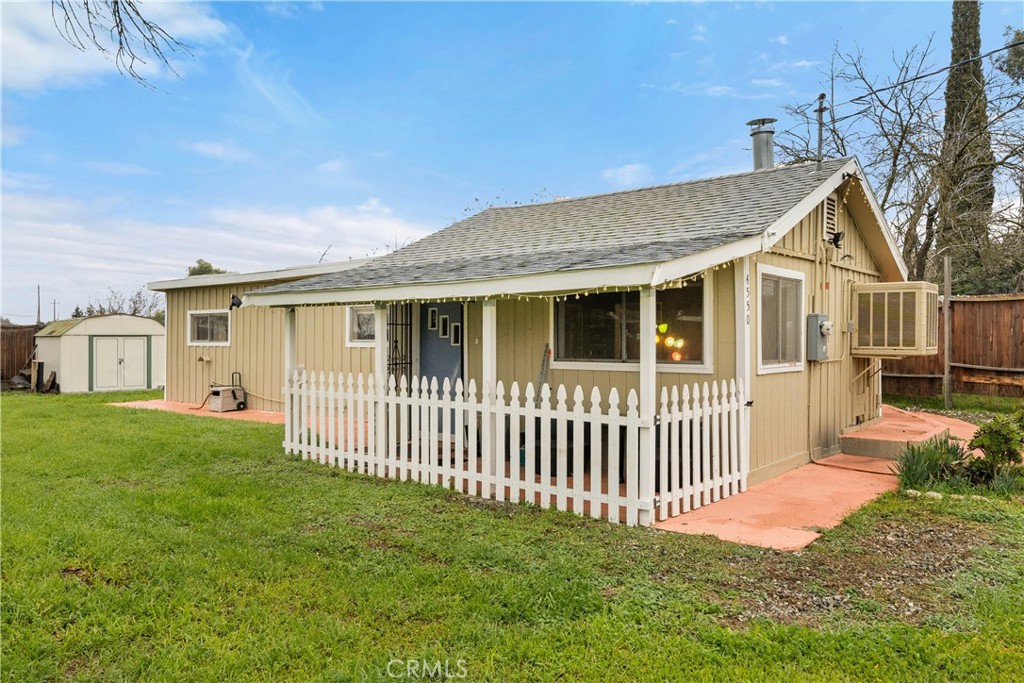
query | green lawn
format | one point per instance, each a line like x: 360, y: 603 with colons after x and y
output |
x: 970, y: 407
x: 146, y: 546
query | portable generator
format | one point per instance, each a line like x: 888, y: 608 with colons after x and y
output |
x: 227, y: 397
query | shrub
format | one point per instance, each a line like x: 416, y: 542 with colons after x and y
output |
x: 936, y: 460
x: 1001, y: 441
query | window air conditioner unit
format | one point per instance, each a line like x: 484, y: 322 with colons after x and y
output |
x: 895, y: 319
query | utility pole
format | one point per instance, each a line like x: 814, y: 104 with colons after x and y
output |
x: 39, y: 306
x: 947, y: 334
x: 55, y: 309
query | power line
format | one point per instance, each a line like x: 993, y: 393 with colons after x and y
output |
x: 931, y: 73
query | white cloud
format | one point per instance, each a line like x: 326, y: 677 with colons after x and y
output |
x: 768, y: 83
x: 334, y: 166
x: 782, y: 39
x: 89, y: 247
x: 119, y: 168
x: 224, y: 150
x: 274, y: 84
x: 788, y: 66
x: 35, y: 55
x: 14, y: 135
x: 671, y: 22
x: 629, y: 175
x: 720, y: 91
x: 698, y: 33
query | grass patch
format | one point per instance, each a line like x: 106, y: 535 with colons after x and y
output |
x: 140, y: 545
x: 969, y: 407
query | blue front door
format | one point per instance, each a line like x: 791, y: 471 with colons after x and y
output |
x: 441, y: 340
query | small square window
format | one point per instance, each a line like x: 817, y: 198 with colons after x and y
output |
x: 362, y: 326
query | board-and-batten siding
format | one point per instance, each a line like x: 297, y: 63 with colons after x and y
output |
x: 800, y: 411
x: 257, y: 346
x: 523, y: 327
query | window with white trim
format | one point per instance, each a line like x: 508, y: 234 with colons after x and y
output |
x: 209, y: 328
x: 780, y: 319
x: 360, y: 326
x: 606, y: 327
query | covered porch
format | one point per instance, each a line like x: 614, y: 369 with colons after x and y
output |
x: 654, y: 447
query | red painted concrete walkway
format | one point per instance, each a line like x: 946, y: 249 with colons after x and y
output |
x: 788, y: 512
x: 191, y: 409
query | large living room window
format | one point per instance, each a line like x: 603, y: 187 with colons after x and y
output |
x: 605, y: 328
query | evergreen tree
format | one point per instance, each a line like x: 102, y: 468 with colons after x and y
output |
x: 78, y: 312
x: 966, y: 185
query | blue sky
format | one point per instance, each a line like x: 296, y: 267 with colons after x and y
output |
x: 298, y: 126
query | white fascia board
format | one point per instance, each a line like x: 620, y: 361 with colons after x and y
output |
x: 890, y: 241
x: 780, y: 228
x: 696, y: 263
x: 248, y: 278
x: 544, y: 283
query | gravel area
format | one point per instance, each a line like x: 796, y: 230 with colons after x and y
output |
x: 900, y: 570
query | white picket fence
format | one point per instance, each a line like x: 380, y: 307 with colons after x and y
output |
x: 543, y: 449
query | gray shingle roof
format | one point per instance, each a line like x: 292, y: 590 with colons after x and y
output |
x: 647, y: 225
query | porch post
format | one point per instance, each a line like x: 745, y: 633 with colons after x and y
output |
x: 743, y: 359
x: 648, y: 390
x: 489, y: 353
x: 380, y: 344
x: 289, y: 371
x: 289, y: 344
x: 380, y: 371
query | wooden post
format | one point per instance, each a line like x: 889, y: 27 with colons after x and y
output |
x: 744, y: 347
x: 380, y: 377
x: 947, y: 329
x: 289, y: 343
x: 489, y: 352
x: 648, y: 381
x: 289, y: 371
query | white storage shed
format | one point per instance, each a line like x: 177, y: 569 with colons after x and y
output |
x: 103, y: 353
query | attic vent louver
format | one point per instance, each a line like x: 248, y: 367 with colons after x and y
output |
x: 829, y: 225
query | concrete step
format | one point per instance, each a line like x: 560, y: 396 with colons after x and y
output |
x: 888, y: 437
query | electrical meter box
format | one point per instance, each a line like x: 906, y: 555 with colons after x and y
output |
x: 819, y: 329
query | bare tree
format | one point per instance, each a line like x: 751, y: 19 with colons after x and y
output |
x: 117, y: 29
x: 141, y: 302
x: 895, y: 125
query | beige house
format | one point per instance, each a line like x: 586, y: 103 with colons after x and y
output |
x: 208, y: 339
x: 631, y: 355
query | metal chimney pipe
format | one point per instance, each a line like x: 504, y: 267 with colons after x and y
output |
x: 763, y: 133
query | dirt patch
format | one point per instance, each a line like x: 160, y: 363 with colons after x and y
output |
x: 899, y: 570
x: 81, y: 574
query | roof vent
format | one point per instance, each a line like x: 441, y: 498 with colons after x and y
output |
x: 830, y: 224
x: 762, y: 132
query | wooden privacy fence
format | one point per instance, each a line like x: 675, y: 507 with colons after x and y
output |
x: 17, y: 344
x: 987, y: 341
x: 539, y: 447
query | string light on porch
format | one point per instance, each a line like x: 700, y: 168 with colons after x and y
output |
x: 676, y: 283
